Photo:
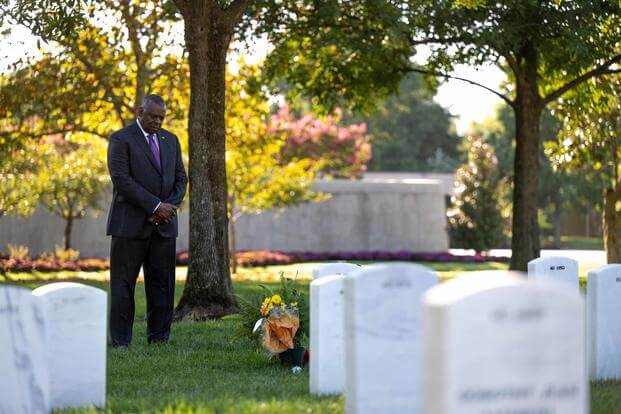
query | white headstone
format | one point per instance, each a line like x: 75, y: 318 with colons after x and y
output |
x: 76, y: 317
x: 604, y: 322
x: 383, y: 344
x: 504, y: 345
x: 556, y: 268
x: 338, y: 268
x: 327, y: 335
x: 24, y: 383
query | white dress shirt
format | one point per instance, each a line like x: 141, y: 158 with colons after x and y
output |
x: 146, y: 135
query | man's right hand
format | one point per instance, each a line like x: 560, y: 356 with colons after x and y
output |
x: 164, y: 213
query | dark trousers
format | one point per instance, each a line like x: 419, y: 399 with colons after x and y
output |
x: 157, y: 257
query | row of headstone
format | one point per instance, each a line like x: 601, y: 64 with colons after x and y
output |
x: 327, y: 322
x: 386, y: 336
x: 502, y: 344
x: 52, y: 348
x: 604, y: 322
x: 555, y: 268
x: 383, y: 338
x: 603, y: 310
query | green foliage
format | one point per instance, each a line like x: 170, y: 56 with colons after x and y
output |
x: 89, y: 80
x: 411, y: 132
x: 258, y: 178
x: 249, y: 314
x: 472, y: 4
x: 339, y: 54
x: 66, y: 255
x: 73, y: 179
x: 46, y: 19
x: 589, y: 142
x: 17, y: 252
x: 350, y: 53
x: 562, y: 188
x: 19, y: 185
x: 476, y: 221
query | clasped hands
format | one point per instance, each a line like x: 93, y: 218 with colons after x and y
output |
x: 164, y: 213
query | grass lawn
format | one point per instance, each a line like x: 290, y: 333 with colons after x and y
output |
x: 205, y: 370
x: 576, y: 243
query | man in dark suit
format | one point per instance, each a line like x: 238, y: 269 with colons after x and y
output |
x: 149, y: 182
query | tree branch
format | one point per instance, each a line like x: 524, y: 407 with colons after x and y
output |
x: 435, y: 40
x: 600, y: 70
x: 103, y: 79
x: 512, y: 62
x: 234, y: 11
x: 505, y: 98
x: 53, y: 132
x: 142, y: 65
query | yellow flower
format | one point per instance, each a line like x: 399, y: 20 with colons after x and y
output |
x: 266, y: 306
x: 294, y: 304
x: 276, y: 300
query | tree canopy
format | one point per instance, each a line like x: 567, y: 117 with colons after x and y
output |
x: 90, y: 80
x: 410, y: 132
x: 352, y: 52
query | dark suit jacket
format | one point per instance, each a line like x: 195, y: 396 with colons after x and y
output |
x: 139, y: 184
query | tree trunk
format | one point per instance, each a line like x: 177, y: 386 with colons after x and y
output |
x: 612, y: 226
x: 68, y: 230
x: 208, y: 290
x: 528, y: 107
x: 234, y: 262
x: 233, y: 219
x: 557, y: 218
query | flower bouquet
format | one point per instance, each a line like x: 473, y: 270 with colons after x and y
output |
x: 278, y: 322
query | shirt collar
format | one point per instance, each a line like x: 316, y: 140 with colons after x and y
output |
x: 146, y: 134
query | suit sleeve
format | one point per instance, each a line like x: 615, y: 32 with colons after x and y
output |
x: 181, y: 179
x: 118, y: 165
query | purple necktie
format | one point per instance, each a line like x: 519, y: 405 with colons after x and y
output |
x: 154, y: 149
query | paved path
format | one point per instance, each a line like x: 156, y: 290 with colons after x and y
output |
x: 583, y: 256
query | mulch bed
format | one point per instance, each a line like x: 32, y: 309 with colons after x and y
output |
x: 253, y: 259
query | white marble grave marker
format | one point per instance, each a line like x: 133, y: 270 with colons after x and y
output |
x: 24, y: 384
x: 557, y: 268
x: 327, y: 335
x: 383, y: 344
x: 501, y: 344
x: 604, y: 322
x: 76, y: 317
x: 337, y: 268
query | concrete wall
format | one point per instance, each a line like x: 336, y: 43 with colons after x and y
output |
x: 378, y: 214
x: 446, y: 180
x: 360, y: 215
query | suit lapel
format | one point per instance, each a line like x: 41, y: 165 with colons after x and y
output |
x: 142, y: 141
x: 161, y: 140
